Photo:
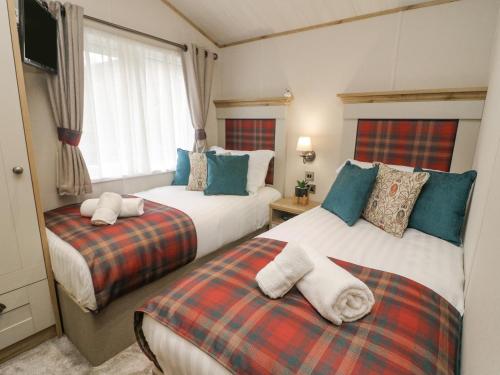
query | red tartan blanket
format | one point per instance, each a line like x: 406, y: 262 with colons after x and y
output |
x: 219, y: 308
x: 131, y: 253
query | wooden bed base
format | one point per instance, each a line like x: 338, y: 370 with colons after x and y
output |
x: 101, y: 336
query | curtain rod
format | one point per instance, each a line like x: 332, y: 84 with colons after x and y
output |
x: 183, y: 47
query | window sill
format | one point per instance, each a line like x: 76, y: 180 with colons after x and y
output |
x: 105, y: 180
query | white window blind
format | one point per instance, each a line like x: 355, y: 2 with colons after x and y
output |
x: 136, y: 112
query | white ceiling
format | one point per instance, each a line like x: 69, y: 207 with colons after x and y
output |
x: 227, y: 21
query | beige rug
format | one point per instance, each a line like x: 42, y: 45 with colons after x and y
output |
x: 59, y: 356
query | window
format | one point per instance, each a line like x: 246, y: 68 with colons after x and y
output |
x: 136, y: 112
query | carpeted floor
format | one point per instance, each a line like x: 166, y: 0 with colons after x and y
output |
x: 59, y: 357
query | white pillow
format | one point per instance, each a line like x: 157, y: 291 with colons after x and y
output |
x: 218, y: 150
x: 366, y: 165
x: 258, y: 165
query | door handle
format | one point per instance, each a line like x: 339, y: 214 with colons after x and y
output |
x: 18, y: 170
x: 2, y: 307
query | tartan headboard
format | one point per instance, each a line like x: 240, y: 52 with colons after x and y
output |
x: 423, y: 143
x: 250, y: 135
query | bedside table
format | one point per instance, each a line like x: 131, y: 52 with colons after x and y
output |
x: 287, y: 207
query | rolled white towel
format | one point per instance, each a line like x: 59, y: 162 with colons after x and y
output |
x: 334, y: 292
x: 108, y: 209
x: 130, y: 207
x: 281, y: 274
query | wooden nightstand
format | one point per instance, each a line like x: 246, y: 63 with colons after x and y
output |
x: 287, y: 207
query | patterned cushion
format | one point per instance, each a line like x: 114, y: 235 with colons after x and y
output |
x: 198, y: 175
x: 393, y: 197
x: 183, y: 169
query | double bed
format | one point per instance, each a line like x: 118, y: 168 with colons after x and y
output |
x: 424, y: 259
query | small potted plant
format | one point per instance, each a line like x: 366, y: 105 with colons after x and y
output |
x: 302, y: 192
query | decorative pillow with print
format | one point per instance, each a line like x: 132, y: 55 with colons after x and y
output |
x: 393, y: 197
x: 198, y: 174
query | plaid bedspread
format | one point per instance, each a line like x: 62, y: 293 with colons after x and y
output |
x: 219, y: 308
x: 133, y: 252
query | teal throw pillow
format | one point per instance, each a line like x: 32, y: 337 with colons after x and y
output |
x: 440, y: 208
x: 227, y: 174
x: 350, y: 192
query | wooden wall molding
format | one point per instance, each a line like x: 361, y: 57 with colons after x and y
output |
x: 226, y: 103
x: 341, y: 21
x: 473, y: 93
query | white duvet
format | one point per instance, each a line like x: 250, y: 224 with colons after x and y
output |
x: 428, y: 260
x: 218, y: 219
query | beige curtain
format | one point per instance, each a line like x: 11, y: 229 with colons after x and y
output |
x: 198, y: 64
x: 66, y: 99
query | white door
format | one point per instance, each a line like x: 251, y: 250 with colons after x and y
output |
x: 21, y: 257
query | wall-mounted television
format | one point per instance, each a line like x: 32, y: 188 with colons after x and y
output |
x: 38, y: 35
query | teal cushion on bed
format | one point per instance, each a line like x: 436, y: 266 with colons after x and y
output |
x: 227, y: 175
x: 440, y: 207
x: 349, y: 193
x: 183, y: 168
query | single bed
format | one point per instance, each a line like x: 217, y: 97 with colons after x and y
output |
x: 432, y: 262
x: 425, y: 337
x: 96, y: 317
x: 218, y: 220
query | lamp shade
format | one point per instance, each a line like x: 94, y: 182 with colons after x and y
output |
x: 304, y: 144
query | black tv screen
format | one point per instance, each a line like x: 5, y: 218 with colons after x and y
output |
x: 38, y: 35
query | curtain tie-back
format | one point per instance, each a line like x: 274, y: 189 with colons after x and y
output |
x: 68, y: 136
x: 200, y: 134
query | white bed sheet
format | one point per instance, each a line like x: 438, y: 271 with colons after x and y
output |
x: 218, y: 219
x: 428, y: 260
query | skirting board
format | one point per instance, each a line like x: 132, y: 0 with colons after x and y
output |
x: 27, y: 343
x: 101, y: 336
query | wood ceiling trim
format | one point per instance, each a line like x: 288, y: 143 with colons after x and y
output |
x: 189, y: 21
x: 472, y: 93
x: 341, y: 21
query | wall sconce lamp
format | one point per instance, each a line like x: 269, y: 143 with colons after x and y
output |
x: 304, y: 147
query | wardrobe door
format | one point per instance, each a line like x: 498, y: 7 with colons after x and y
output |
x: 10, y: 260
x: 21, y: 256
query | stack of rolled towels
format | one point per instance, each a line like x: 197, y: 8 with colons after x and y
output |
x: 336, y: 294
x: 106, y: 209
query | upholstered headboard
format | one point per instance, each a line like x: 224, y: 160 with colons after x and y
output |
x: 251, y: 128
x: 250, y: 135
x: 423, y: 143
x: 436, y: 134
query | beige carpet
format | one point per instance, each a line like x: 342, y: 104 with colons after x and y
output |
x: 59, y: 356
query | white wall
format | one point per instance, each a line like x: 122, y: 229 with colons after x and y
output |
x: 481, y: 335
x: 150, y: 16
x: 438, y: 47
